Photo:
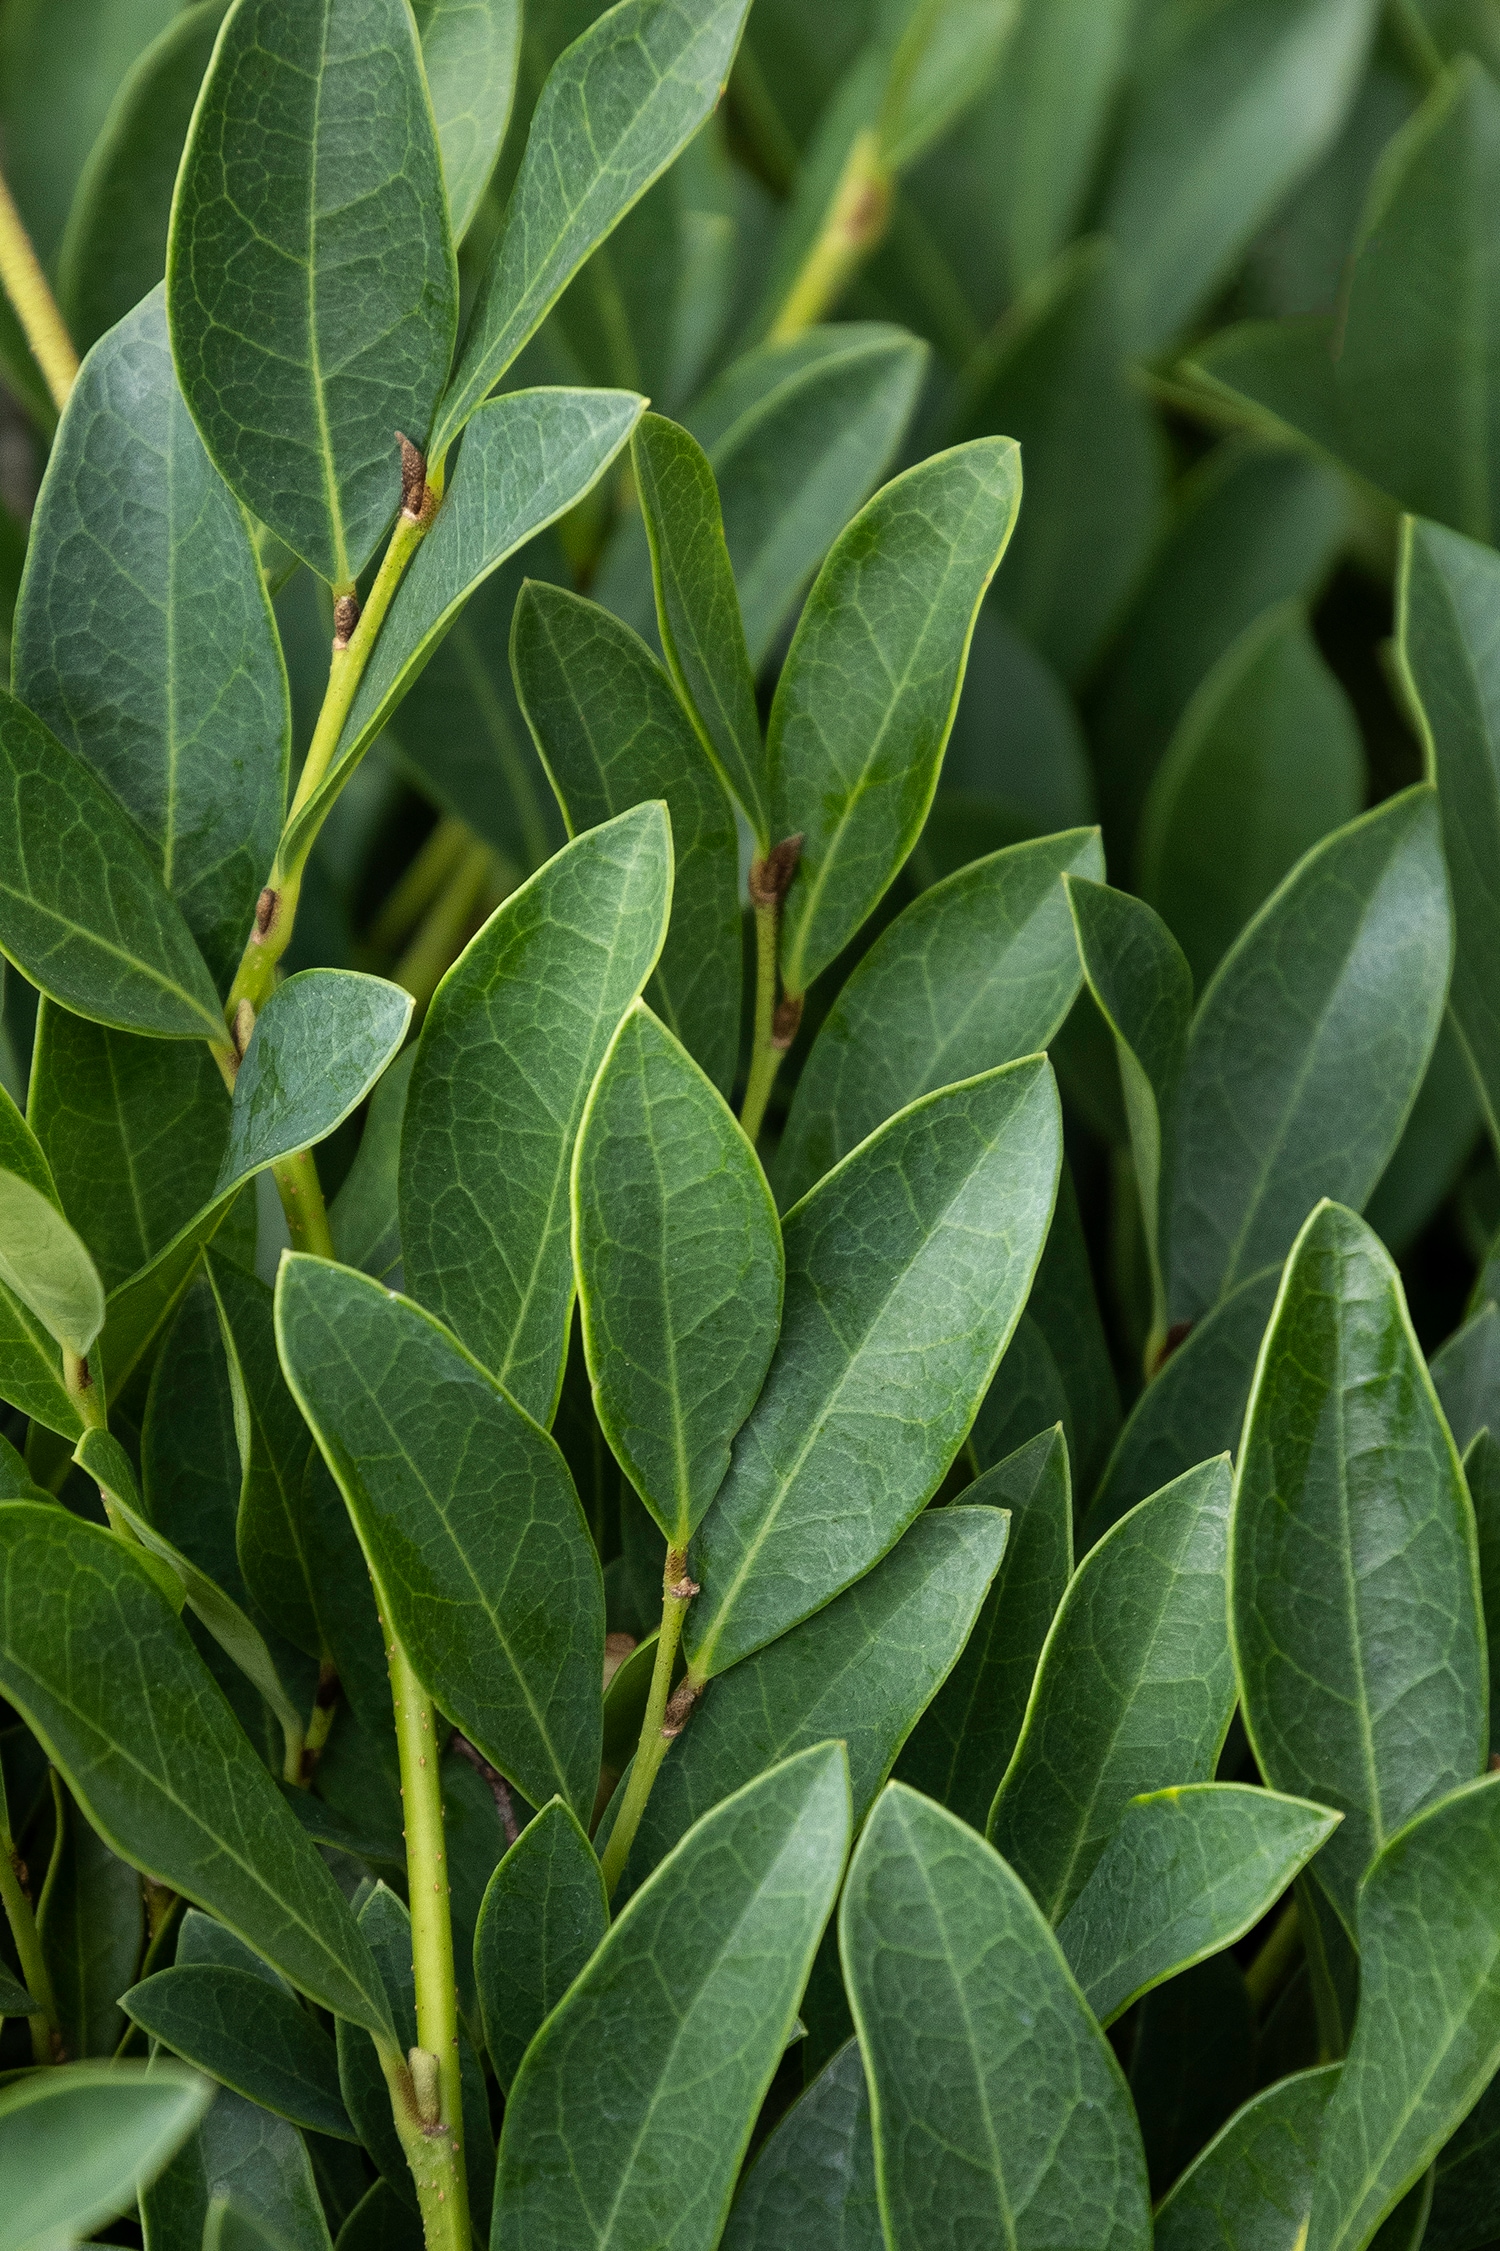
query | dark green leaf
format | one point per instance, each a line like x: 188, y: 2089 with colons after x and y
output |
x: 812, y: 2187
x: 963, y: 1742
x: 144, y: 637
x: 615, y: 110
x: 319, y: 1045
x: 1133, y: 1692
x: 45, y: 1264
x: 1482, y: 1476
x: 543, y: 1917
x: 980, y: 969
x: 723, y: 1933
x: 1192, y: 2063
x: 1466, y: 2181
x: 76, y: 2144
x: 867, y: 694
x: 612, y: 734
x: 252, y: 2035
x: 362, y: 1216
x: 1466, y: 1376
x: 1252, y: 2187
x: 157, y: 1763
x: 92, y: 1925
x: 1445, y: 1122
x: 468, y: 1520
x: 679, y: 1264
x: 15, y: 2001
x: 999, y: 2110
x: 312, y: 292
x: 470, y: 49
x: 1065, y: 1308
x: 906, y: 1269
x: 524, y: 1017
x: 243, y: 2154
x: 1358, y: 1633
x: 380, y: 2222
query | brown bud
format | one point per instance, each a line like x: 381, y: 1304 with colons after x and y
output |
x: 244, y: 1025
x: 784, y: 1023
x: 679, y: 1708
x: 345, y: 619
x: 771, y: 878
x: 413, y: 477
x: 685, y: 1589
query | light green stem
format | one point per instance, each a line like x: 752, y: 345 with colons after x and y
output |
x: 854, y: 222
x: 656, y: 1736
x: 36, y: 308
x: 301, y: 1194
x: 85, y: 1391
x: 440, y: 941
x: 420, y: 885
x: 765, y: 1056
x: 46, y: 2026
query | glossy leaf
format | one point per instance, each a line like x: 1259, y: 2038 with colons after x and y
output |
x: 812, y: 2185
x: 252, y: 2035
x: 906, y: 1269
x: 91, y: 1921
x: 616, y: 108
x: 363, y: 1217
x: 1482, y: 1476
x: 311, y: 286
x: 724, y: 1932
x: 978, y: 970
x: 1308, y: 1048
x: 1256, y: 2175
x: 157, y: 1763
x: 679, y: 1263
x: 612, y: 734
x: 1466, y: 1376
x: 319, y: 1045
x: 468, y: 1520
x: 1133, y: 1692
x: 524, y: 1017
x: 249, y: 2158
x: 954, y: 1979
x: 469, y: 54
x: 1358, y: 1634
x: 867, y: 694
x: 77, y: 2144
x: 144, y: 637
x: 544, y: 1915
x: 963, y: 1742
x: 44, y: 1262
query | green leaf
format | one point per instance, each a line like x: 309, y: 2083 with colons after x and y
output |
x: 679, y: 1262
x: 1267, y: 760
x: 730, y: 1922
x: 999, y: 2110
x: 1133, y: 1692
x: 144, y: 637
x: 44, y: 1263
x: 298, y: 373
x: 83, y: 913
x: 470, y: 50
x: 612, y: 734
x: 154, y: 1757
x: 812, y: 2185
x: 15, y: 2001
x: 861, y: 1671
x: 115, y: 248
x: 1358, y: 1633
x: 963, y: 1742
x: 616, y: 108
x: 1186, y: 1873
x: 1427, y: 2036
x: 1308, y: 1048
x: 319, y: 1044
x: 698, y: 609
x: 253, y: 2036
x: 468, y: 1520
x: 245, y: 2155
x: 77, y: 2144
x: 1466, y: 1375
x: 31, y: 1376
x: 906, y: 1270
x: 526, y: 459
x: 362, y: 1216
x: 868, y: 691
x: 1466, y: 2181
x: 945, y: 56
x: 1253, y: 2185
x: 1482, y: 1476
x: 91, y: 1922
x: 543, y: 1917
x: 524, y: 1017
x: 978, y: 970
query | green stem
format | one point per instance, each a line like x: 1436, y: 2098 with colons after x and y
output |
x: 301, y: 1194
x: 440, y: 941
x: 36, y: 308
x: 86, y: 1394
x: 657, y: 1732
x: 420, y: 885
x: 426, y: 2090
x: 765, y: 1055
x: 854, y: 222
x: 46, y: 2026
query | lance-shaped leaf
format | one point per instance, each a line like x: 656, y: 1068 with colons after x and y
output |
x: 144, y: 637
x: 543, y: 1916
x: 523, y: 1019
x: 617, y: 106
x: 525, y: 461
x: 861, y: 1671
x: 319, y: 1045
x: 15, y: 2001
x: 31, y: 1375
x: 91, y: 1922
x: 870, y: 685
x: 311, y: 287
x: 252, y: 2035
x: 247, y: 2156
x: 812, y: 2186
x: 1134, y: 1689
x: 1143, y: 986
x: 363, y: 1217
x: 1358, y: 1632
x: 724, y: 1933
x: 978, y: 970
x: 1258, y: 2170
x: 611, y: 734
x: 679, y: 1262
x: 1466, y: 1376
x: 1308, y: 1048
x: 1482, y: 1476
x: 1427, y: 2036
x: 999, y: 2111
x: 698, y: 610
x: 468, y: 1520
x: 94, y: 1657
x: 1184, y: 1875
x: 964, y: 1740
x: 44, y: 1263
x: 83, y: 913
x: 470, y: 53
x: 906, y: 1270
x: 76, y: 2146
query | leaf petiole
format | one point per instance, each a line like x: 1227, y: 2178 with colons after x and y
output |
x: 775, y: 1022
x: 46, y: 2027
x: 36, y: 308
x: 663, y: 1720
